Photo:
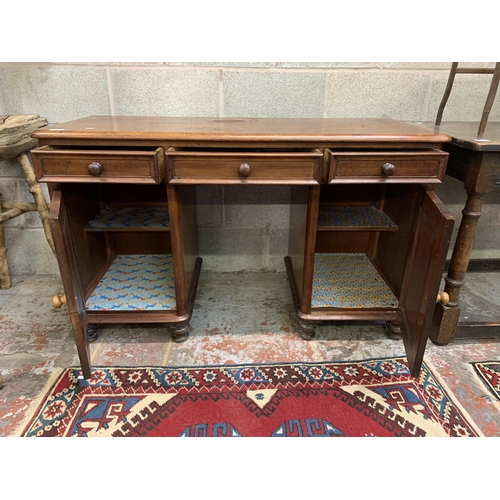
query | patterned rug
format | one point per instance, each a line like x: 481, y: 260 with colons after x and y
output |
x: 375, y: 397
x: 489, y: 373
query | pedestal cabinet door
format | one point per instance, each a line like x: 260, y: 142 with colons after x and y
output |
x: 427, y: 252
x: 61, y: 231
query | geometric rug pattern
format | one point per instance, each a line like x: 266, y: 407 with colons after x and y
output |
x: 135, y: 283
x: 353, y: 217
x: 489, y: 374
x: 376, y: 397
x: 131, y: 217
x: 346, y: 280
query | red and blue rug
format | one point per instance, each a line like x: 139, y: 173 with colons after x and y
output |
x: 489, y: 374
x: 375, y: 397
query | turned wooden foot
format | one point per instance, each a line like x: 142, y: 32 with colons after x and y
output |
x: 447, y: 313
x: 307, y: 330
x: 393, y: 330
x: 93, y: 333
x: 180, y: 332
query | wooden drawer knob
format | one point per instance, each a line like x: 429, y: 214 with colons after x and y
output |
x: 443, y: 298
x: 388, y: 169
x: 94, y: 169
x: 58, y: 301
x: 244, y: 169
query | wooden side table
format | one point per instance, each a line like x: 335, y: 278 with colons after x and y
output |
x: 476, y: 162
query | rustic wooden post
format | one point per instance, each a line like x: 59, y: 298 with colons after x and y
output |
x: 5, y: 281
x: 36, y: 191
x: 15, y: 142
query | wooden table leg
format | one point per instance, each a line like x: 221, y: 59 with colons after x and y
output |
x: 446, y: 317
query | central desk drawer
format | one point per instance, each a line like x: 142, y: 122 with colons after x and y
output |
x: 249, y: 167
x: 139, y: 166
x: 426, y: 166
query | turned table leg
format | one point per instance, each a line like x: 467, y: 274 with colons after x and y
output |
x: 446, y: 317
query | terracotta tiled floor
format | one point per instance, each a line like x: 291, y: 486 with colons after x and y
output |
x: 238, y: 318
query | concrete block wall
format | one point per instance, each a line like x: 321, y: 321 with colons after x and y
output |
x: 240, y: 229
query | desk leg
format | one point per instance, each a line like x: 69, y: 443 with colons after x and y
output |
x: 446, y: 317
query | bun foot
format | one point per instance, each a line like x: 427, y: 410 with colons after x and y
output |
x: 93, y: 333
x: 393, y: 330
x: 307, y: 330
x: 180, y: 332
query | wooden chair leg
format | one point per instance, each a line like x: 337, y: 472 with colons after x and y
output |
x: 489, y: 101
x: 447, y: 92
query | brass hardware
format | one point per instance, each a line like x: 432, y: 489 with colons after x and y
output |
x: 244, y: 169
x: 443, y: 298
x: 388, y: 169
x: 94, y: 169
x: 58, y: 301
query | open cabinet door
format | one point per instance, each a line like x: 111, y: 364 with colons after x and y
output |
x: 427, y: 251
x: 68, y: 266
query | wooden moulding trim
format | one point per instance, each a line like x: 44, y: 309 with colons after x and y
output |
x: 350, y: 314
x: 228, y: 180
x: 137, y: 317
x: 211, y: 137
x: 380, y: 180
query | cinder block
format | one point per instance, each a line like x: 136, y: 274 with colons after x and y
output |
x: 209, y: 205
x: 225, y: 64
x: 231, y: 249
x: 257, y: 206
x: 417, y: 65
x: 397, y: 95
x: 322, y: 65
x: 466, y: 101
x: 56, y: 93
x: 9, y: 168
x: 231, y: 241
x: 28, y: 252
x: 278, y: 94
x: 166, y: 92
x: 11, y: 191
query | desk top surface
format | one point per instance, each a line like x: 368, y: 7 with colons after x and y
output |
x: 240, y: 129
x: 464, y: 134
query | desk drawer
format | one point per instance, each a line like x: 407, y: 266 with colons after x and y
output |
x: 94, y: 165
x: 426, y: 166
x: 249, y: 167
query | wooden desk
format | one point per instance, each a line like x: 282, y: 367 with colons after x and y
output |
x: 476, y: 162
x: 368, y: 236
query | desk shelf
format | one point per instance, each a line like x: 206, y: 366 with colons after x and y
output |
x: 345, y: 218
x: 349, y: 280
x: 136, y: 283
x: 131, y: 219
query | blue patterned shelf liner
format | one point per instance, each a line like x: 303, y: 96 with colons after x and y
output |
x: 136, y: 283
x: 353, y: 217
x: 131, y: 217
x: 349, y: 280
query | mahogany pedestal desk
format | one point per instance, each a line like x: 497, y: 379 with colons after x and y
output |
x: 368, y: 236
x: 476, y: 162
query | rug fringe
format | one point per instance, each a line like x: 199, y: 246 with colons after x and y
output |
x: 37, y: 402
x: 452, y: 396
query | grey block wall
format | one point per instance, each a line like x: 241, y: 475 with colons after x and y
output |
x: 240, y: 229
